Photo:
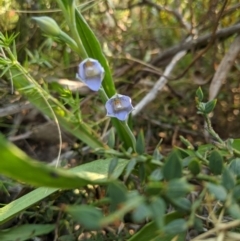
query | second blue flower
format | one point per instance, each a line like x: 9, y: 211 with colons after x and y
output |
x: 119, y: 106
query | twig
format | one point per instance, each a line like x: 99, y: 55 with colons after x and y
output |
x: 15, y: 108
x: 175, y: 13
x: 20, y: 137
x: 159, y: 84
x: 224, y: 68
x: 220, y: 227
x: 169, y: 126
x: 231, y: 9
x: 195, y: 43
x: 210, y: 42
x: 165, y: 57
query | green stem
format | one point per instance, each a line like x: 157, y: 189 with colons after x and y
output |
x: 217, y: 137
x: 204, y: 160
x: 72, y: 44
x: 197, y: 204
x: 211, y: 130
x: 130, y: 134
x: 69, y: 14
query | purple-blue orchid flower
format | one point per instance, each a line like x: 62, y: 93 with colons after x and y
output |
x: 119, y: 106
x: 91, y: 73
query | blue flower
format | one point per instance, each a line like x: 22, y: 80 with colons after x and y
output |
x: 91, y: 73
x: 119, y: 106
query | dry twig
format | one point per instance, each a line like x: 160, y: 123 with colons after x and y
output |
x: 224, y: 67
x: 15, y: 108
x: 159, y: 84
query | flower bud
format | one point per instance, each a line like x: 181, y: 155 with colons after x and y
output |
x: 48, y: 26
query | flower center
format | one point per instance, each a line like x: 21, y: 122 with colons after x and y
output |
x: 91, y: 70
x: 117, y: 104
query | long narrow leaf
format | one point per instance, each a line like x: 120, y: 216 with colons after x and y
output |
x: 94, y: 50
x: 17, y: 165
x: 14, y: 163
x: 25, y: 232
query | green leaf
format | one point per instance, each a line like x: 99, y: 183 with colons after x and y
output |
x: 87, y: 216
x: 175, y: 227
x: 69, y: 237
x: 150, y: 231
x: 99, y: 167
x: 181, y: 203
x: 156, y: 175
x: 142, y: 172
x: 236, y: 144
x: 117, y: 193
x: 158, y: 208
x: 131, y: 165
x: 195, y: 167
x: 113, y: 164
x: 234, y: 166
x: 236, y: 193
x: 17, y: 165
x: 219, y: 192
x: 216, y: 162
x: 157, y: 155
x: 111, y: 138
x: 141, y: 212
x: 140, y: 145
x: 234, y: 210
x: 25, y: 232
x: 228, y: 180
x: 177, y: 188
x: 209, y: 106
x: 199, y: 94
x: 173, y: 166
x: 154, y: 188
x: 133, y: 201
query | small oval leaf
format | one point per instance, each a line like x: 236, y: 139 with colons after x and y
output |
x: 199, y: 94
x: 140, y: 144
x: 195, y: 167
x: 215, y: 162
x: 228, y: 180
x: 234, y: 166
x: 173, y: 166
x: 218, y: 191
x: 209, y: 106
x: 87, y: 216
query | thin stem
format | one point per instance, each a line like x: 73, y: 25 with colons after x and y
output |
x: 211, y: 130
x: 72, y: 44
x: 204, y: 160
x: 70, y: 17
x: 130, y: 134
x: 195, y: 206
x: 10, y: 74
x: 217, y: 137
x: 31, y: 80
x: 73, y: 27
